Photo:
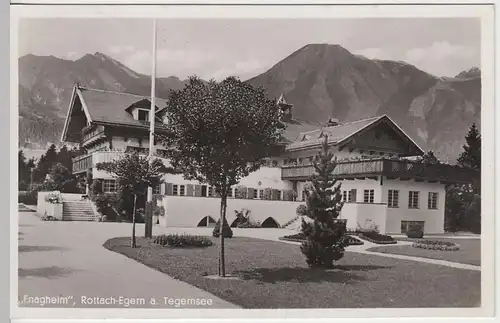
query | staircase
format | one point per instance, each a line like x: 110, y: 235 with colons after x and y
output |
x: 78, y: 211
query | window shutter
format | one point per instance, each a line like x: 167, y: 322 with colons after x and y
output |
x: 250, y: 193
x: 197, y: 190
x: 189, y: 190
x: 168, y: 188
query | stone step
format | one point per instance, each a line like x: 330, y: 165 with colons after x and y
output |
x: 78, y: 218
x: 76, y: 211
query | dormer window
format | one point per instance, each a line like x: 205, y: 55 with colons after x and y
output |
x: 142, y: 115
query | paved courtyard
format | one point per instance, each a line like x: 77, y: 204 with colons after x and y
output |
x: 66, y: 259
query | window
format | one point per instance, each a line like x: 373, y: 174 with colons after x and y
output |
x: 303, y: 195
x: 182, y: 190
x: 311, y: 159
x: 300, y: 161
x: 393, y: 198
x: 204, y: 191
x: 255, y: 194
x: 143, y: 115
x: 369, y: 196
x: 230, y: 193
x: 344, y: 196
x: 413, y: 200
x: 352, y: 195
x: 157, y: 189
x: 109, y: 186
x: 261, y: 194
x: 175, y: 189
x: 210, y: 191
x: 432, y: 201
x: 275, y: 163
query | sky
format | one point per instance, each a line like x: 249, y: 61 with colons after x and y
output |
x: 216, y: 48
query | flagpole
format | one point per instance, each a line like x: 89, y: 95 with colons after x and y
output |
x: 149, y: 204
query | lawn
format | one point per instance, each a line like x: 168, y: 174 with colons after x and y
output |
x: 275, y: 275
x: 469, y: 252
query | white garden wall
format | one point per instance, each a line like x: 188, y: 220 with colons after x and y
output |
x: 50, y: 209
x: 186, y: 211
x: 365, y: 215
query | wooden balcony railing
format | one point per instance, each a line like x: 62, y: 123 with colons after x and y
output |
x: 387, y: 167
x: 82, y: 163
x: 90, y: 133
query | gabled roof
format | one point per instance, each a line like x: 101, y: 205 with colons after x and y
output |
x: 283, y: 102
x: 113, y: 107
x: 342, y: 133
x: 107, y: 107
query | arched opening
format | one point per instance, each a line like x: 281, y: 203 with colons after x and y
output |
x: 270, y: 223
x: 207, y: 221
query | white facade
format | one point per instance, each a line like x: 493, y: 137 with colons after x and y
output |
x: 360, y: 212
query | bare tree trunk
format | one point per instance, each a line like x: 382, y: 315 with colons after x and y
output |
x: 133, y: 223
x: 222, y: 266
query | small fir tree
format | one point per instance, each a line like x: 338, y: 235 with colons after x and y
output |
x: 326, y: 237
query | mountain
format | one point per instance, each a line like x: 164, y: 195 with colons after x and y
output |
x: 324, y: 81
x: 46, y: 83
x: 320, y: 80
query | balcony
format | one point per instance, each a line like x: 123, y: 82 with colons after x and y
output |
x: 92, y: 134
x: 83, y: 163
x: 402, y: 169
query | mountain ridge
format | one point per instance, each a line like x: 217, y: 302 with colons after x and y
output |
x: 320, y: 80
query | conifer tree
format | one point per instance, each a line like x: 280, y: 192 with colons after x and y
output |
x: 326, y: 237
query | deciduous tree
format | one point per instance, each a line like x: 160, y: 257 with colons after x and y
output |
x: 134, y: 173
x: 219, y: 133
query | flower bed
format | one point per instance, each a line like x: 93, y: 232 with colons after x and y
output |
x: 300, y: 237
x: 436, y: 245
x: 175, y: 240
x: 377, y: 238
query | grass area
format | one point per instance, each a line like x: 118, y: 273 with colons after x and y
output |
x: 274, y: 275
x: 469, y: 252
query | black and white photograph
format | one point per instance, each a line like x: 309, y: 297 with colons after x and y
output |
x: 299, y: 159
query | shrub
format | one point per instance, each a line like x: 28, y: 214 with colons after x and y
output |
x: 158, y: 210
x: 226, y: 231
x: 105, y: 204
x: 351, y: 241
x: 415, y: 232
x: 140, y: 215
x: 436, y: 245
x: 184, y: 240
x: 48, y: 218
x: 54, y: 198
x: 376, y: 237
x: 28, y: 198
x: 96, y: 187
x: 244, y: 220
x: 301, y: 210
x: 289, y: 195
x: 241, y: 192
